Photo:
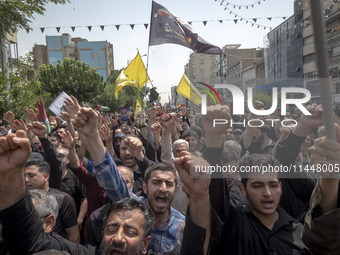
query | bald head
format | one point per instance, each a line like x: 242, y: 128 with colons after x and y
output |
x: 127, y: 175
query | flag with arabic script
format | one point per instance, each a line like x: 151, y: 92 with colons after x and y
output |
x: 165, y: 27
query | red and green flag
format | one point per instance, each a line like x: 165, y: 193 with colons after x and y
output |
x: 43, y: 117
x: 103, y: 108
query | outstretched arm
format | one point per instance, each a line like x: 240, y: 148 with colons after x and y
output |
x: 248, y: 133
x: 196, y: 185
x: 14, y: 151
x: 326, y: 152
x: 86, y: 122
x: 22, y: 228
x: 322, y: 226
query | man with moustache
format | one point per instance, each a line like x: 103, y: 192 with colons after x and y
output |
x: 94, y: 232
x: 160, y: 185
x: 260, y: 144
x: 137, y: 163
x: 160, y: 181
x: 256, y: 139
x: 128, y: 225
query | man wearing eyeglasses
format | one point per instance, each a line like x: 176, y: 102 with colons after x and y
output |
x: 71, y: 185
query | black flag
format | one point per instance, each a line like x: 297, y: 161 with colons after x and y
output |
x: 165, y: 27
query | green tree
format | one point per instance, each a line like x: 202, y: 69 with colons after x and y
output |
x: 24, y: 88
x: 73, y: 77
x: 15, y: 14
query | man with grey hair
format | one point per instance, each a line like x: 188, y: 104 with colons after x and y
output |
x: 47, y: 207
x: 37, y: 177
x: 178, y: 146
x: 127, y: 175
x: 129, y: 218
x: 233, y: 145
x: 51, y: 252
x: 230, y: 158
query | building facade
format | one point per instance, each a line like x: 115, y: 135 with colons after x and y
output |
x: 201, y: 68
x: 98, y: 54
x: 283, y: 55
x: 239, y: 67
x: 331, y: 13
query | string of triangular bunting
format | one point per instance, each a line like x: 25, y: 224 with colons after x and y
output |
x: 239, y: 18
x: 146, y: 25
x: 258, y: 2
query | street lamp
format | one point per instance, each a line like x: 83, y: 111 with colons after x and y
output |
x: 129, y: 61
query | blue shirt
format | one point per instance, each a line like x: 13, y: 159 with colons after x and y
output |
x: 163, y: 238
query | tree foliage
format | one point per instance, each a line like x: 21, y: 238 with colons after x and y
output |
x: 15, y: 14
x: 73, y: 77
x: 24, y: 88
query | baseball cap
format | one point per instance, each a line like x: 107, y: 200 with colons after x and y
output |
x: 35, y: 156
x: 238, y: 131
x: 119, y: 135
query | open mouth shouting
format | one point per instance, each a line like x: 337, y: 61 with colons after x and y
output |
x: 268, y: 204
x: 161, y: 201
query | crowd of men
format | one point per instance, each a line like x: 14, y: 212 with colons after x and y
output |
x: 148, y: 183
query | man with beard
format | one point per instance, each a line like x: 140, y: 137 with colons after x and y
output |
x: 160, y: 184
x: 256, y: 139
x: 137, y: 163
x: 128, y: 225
x: 94, y: 231
x: 160, y: 181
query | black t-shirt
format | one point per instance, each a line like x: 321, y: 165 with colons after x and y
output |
x: 71, y: 185
x: 256, y: 148
x: 67, y: 214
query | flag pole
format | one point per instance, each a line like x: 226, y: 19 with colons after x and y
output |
x: 147, y: 68
x: 322, y: 64
x: 147, y: 56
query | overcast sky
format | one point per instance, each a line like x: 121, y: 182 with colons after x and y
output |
x: 166, y: 62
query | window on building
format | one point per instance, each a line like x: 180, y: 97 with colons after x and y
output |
x: 308, y: 40
x: 337, y: 87
x: 336, y: 51
x: 309, y: 58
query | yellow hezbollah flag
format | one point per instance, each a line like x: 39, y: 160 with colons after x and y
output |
x: 136, y: 71
x: 138, y: 110
x: 133, y: 75
x: 123, y: 81
x: 186, y: 89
